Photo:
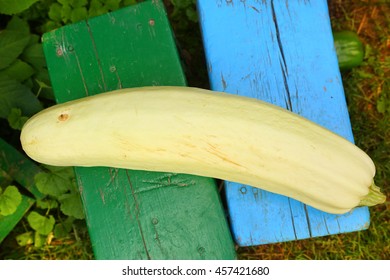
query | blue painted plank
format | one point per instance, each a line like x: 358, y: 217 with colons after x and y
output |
x: 281, y: 52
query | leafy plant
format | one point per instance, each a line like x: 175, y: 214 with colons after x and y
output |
x: 24, y: 90
x: 13, y: 7
x: 53, y: 216
x: 22, y: 58
x: 15, y: 119
x: 41, y: 224
x: 24, y: 79
x: 20, y: 55
x: 10, y: 199
x: 63, y: 12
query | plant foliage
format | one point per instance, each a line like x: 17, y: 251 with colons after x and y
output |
x: 13, y: 7
x: 10, y: 199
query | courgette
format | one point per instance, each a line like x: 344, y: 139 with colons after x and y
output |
x: 213, y: 134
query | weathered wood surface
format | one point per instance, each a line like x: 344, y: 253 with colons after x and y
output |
x: 281, y: 52
x: 135, y: 214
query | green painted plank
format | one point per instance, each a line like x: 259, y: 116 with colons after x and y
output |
x: 19, y: 167
x: 7, y: 223
x: 135, y: 214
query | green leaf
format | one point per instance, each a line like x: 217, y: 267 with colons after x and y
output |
x: 55, y: 12
x: 34, y: 55
x: 41, y: 224
x: 129, y: 2
x: 64, y: 2
x: 78, y: 3
x: 19, y: 71
x: 10, y: 199
x: 78, y: 14
x: 18, y: 25
x: 96, y: 8
x: 26, y: 238
x: 12, y: 44
x: 65, y: 172
x: 34, y: 39
x: 383, y: 105
x: 10, y: 7
x: 66, y: 13
x: 50, y: 25
x: 47, y: 204
x: 192, y: 14
x: 60, y: 231
x: 15, y: 119
x: 112, y: 4
x: 181, y: 4
x: 364, y: 74
x: 15, y: 95
x: 56, y: 182
x: 63, y: 229
x: 44, y: 90
x: 39, y: 239
x: 42, y: 84
x: 71, y: 205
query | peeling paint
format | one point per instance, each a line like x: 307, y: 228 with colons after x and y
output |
x: 255, y: 9
x: 224, y: 84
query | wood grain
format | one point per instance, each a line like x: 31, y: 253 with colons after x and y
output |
x: 135, y: 214
x: 281, y: 52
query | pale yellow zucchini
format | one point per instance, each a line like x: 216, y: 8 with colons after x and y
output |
x: 213, y: 134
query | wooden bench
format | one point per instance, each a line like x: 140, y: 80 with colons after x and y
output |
x: 135, y: 214
x: 22, y: 171
x: 281, y: 52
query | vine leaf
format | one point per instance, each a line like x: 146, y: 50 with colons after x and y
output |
x: 26, y: 238
x: 18, y: 70
x: 12, y: 44
x: 56, y: 182
x: 47, y: 203
x: 55, y: 12
x: 13, y: 7
x: 63, y: 228
x: 15, y: 119
x: 78, y: 3
x: 19, y: 25
x: 78, y: 14
x: 41, y: 224
x: 33, y: 54
x: 39, y: 239
x: 71, y: 205
x: 15, y: 95
x: 9, y: 200
x: 96, y: 8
